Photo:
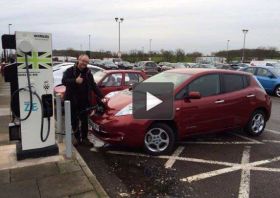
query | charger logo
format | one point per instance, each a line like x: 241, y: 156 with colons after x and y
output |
x: 41, y: 36
x: 27, y: 106
x: 36, y: 60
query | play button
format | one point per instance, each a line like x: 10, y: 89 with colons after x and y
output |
x: 153, y: 101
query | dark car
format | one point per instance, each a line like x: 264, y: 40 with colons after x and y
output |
x: 109, y: 65
x: 206, y: 101
x: 149, y: 67
x: 125, y: 65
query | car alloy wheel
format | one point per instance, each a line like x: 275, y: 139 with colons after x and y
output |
x: 277, y: 91
x: 258, y: 123
x: 156, y: 140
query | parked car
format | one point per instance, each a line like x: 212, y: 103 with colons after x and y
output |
x: 173, y: 66
x: 209, y: 66
x: 58, y: 66
x: 269, y: 77
x: 125, y: 65
x: 109, y: 65
x: 149, y: 67
x: 57, y: 74
x: 206, y: 101
x: 111, y: 80
x: 96, y: 62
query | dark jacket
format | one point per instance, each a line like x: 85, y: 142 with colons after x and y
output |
x: 77, y: 93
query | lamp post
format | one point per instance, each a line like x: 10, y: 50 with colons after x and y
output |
x: 150, y: 49
x: 227, y: 48
x: 243, y: 55
x: 119, y: 21
x: 9, y: 26
x: 89, y: 45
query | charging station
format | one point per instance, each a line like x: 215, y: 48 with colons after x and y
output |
x: 34, y: 94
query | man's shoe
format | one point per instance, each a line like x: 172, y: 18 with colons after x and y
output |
x: 87, y: 143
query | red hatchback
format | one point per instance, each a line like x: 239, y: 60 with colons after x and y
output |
x: 112, y: 80
x: 205, y: 101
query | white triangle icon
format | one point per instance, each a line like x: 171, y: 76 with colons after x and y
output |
x: 151, y: 101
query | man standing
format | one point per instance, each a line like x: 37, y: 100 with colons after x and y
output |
x: 79, y: 84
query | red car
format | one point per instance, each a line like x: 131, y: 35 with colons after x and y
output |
x: 206, y: 101
x: 112, y: 80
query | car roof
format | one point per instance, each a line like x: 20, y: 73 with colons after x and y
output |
x: 122, y: 71
x: 265, y: 67
x: 194, y: 71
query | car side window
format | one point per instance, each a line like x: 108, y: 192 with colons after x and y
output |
x: 264, y: 72
x: 131, y: 78
x: 232, y: 82
x: 250, y: 70
x: 207, y: 85
x: 112, y: 80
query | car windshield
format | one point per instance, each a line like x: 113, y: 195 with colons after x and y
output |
x: 175, y: 78
x: 276, y: 71
x: 98, y: 76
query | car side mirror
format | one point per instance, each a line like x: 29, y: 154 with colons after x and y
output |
x: 194, y: 95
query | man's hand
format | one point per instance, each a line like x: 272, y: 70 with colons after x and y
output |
x: 79, y: 80
x: 105, y: 100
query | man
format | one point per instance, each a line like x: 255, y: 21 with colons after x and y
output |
x: 79, y: 84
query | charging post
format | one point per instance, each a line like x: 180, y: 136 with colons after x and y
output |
x: 35, y: 95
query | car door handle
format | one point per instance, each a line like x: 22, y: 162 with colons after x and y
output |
x: 250, y: 96
x: 219, y: 101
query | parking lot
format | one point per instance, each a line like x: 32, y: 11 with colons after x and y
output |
x: 218, y: 165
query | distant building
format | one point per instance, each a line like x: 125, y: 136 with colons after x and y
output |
x: 210, y: 59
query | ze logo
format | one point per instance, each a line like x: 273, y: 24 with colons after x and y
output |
x: 27, y: 106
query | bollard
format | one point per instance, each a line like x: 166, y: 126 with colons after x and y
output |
x: 68, y: 129
x: 59, y: 118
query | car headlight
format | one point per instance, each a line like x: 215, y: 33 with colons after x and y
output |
x: 127, y: 110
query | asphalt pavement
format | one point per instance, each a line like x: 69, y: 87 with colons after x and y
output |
x: 230, y: 164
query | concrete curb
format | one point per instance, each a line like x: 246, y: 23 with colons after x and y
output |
x: 99, y: 189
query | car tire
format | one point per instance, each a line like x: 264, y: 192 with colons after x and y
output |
x: 159, y: 139
x: 256, y: 124
x: 277, y: 91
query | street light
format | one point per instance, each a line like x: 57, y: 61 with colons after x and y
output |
x: 10, y: 52
x: 119, y: 20
x: 150, y: 49
x: 227, y: 48
x: 89, y: 45
x: 244, y: 32
x: 9, y: 26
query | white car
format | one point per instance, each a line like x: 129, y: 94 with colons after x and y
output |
x: 58, y: 73
x: 58, y: 66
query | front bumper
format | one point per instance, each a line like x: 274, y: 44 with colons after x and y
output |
x: 119, y: 130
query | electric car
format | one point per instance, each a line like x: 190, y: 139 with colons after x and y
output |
x: 205, y: 101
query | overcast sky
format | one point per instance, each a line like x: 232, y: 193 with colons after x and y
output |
x: 192, y: 25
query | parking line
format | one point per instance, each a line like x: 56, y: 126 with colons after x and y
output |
x: 169, y: 157
x: 218, y: 143
x: 245, y: 138
x: 227, y: 170
x: 244, y: 188
x: 272, y: 141
x: 273, y: 131
x: 266, y: 169
x: 176, y: 153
